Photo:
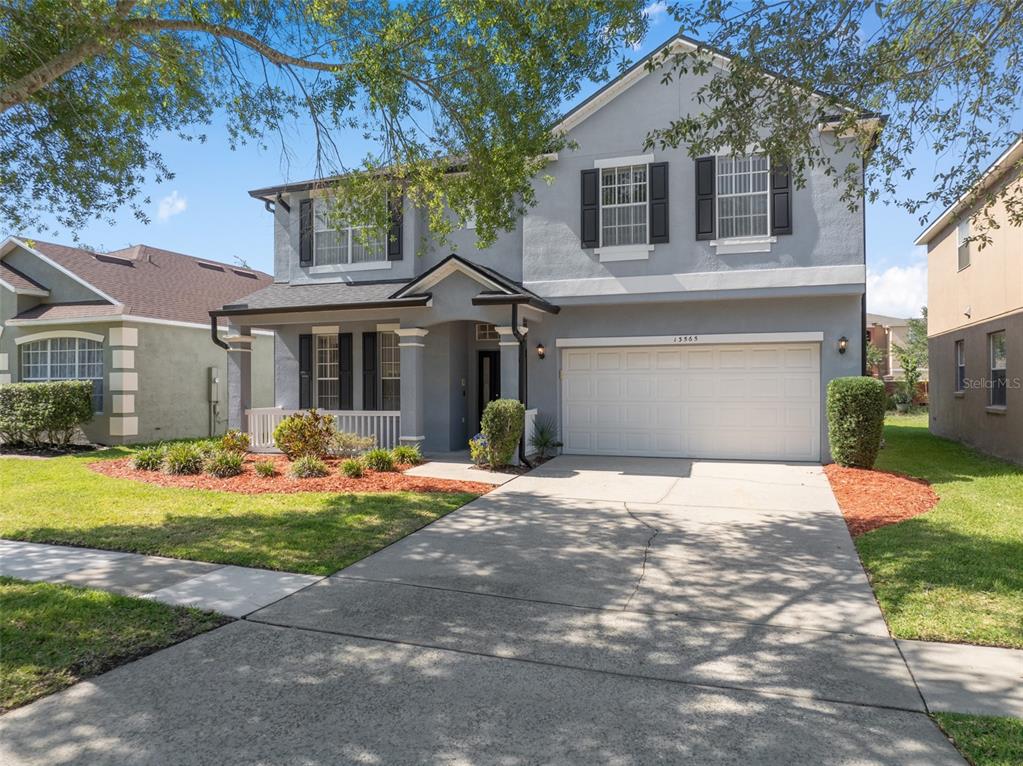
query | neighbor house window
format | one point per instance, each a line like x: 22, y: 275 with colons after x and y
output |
x: 487, y: 332
x: 960, y: 367
x: 390, y: 371
x: 996, y: 342
x: 327, y: 383
x: 623, y: 206
x: 742, y: 193
x: 337, y: 242
x: 962, y: 237
x: 65, y: 359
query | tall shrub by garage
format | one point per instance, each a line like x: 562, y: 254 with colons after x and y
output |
x: 44, y: 413
x: 855, y: 420
x: 502, y: 424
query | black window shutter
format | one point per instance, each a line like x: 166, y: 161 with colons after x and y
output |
x: 781, y: 200
x: 658, y: 203
x: 370, y: 375
x: 345, y: 381
x: 589, y: 233
x: 305, y: 232
x: 305, y: 371
x: 705, y: 183
x: 394, y: 233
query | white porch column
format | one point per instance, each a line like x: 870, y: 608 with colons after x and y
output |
x: 239, y: 377
x: 509, y: 346
x: 412, y: 347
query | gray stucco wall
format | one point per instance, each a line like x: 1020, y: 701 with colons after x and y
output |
x: 62, y: 287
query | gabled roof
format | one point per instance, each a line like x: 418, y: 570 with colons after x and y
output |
x: 144, y: 281
x: 20, y: 283
x: 328, y: 296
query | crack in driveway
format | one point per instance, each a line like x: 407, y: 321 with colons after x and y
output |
x: 646, y: 554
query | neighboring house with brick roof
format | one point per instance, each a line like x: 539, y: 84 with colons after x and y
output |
x: 135, y: 322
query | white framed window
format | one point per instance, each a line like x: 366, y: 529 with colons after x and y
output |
x: 390, y: 371
x: 996, y: 347
x: 338, y: 243
x: 327, y: 371
x: 65, y: 359
x: 960, y: 367
x: 624, y: 205
x: 486, y: 331
x: 962, y: 243
x: 743, y: 196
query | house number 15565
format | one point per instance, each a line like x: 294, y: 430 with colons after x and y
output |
x: 687, y: 339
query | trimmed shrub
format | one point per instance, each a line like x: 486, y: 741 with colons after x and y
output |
x: 148, y: 459
x: 183, y: 458
x: 265, y: 468
x: 224, y: 463
x: 207, y: 446
x: 855, y: 420
x: 234, y: 441
x: 352, y: 468
x: 407, y: 454
x: 502, y: 423
x: 479, y: 450
x: 305, y: 434
x: 345, y: 444
x: 379, y: 460
x: 544, y: 439
x: 44, y: 413
x: 308, y: 467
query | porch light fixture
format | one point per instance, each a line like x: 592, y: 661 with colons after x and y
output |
x: 541, y: 350
x: 843, y: 344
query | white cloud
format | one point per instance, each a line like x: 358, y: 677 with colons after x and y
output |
x: 171, y: 205
x: 654, y: 10
x: 897, y: 291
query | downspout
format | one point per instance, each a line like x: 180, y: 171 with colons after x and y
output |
x: 523, y: 393
x: 213, y: 333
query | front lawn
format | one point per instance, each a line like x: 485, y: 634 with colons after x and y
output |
x: 56, y: 635
x: 63, y: 501
x: 985, y: 740
x: 954, y: 573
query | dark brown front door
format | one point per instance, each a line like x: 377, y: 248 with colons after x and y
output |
x: 488, y: 381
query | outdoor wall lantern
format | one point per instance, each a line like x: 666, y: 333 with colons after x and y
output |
x: 843, y: 344
x: 541, y: 350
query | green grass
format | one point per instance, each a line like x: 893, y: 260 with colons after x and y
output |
x: 956, y: 572
x: 63, y: 501
x: 985, y: 740
x: 56, y: 635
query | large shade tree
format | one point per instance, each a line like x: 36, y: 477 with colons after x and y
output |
x: 433, y: 86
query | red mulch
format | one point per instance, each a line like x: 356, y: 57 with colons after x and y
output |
x: 251, y: 483
x: 871, y: 499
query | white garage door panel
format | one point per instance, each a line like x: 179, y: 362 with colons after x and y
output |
x: 756, y: 401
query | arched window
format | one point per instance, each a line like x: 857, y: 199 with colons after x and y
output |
x: 65, y: 359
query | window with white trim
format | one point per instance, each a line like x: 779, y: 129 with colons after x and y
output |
x: 962, y: 243
x: 342, y: 242
x: 486, y: 331
x: 327, y: 372
x: 65, y: 359
x: 390, y: 371
x: 960, y: 367
x: 996, y: 344
x: 743, y: 196
x: 623, y: 206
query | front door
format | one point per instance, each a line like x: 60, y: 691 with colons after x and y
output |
x: 488, y: 381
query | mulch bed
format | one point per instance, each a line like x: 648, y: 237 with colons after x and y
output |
x: 872, y: 499
x: 251, y: 483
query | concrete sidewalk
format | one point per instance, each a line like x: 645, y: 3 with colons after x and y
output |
x: 234, y: 591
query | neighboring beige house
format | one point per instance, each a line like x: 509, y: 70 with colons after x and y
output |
x: 975, y: 327
x: 886, y: 333
x: 136, y: 323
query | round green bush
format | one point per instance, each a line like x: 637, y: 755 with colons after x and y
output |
x: 234, y: 441
x: 47, y: 412
x: 265, y: 468
x: 183, y: 458
x: 222, y: 463
x: 502, y: 424
x: 352, y: 468
x: 308, y: 467
x: 379, y: 460
x: 148, y: 459
x: 407, y: 454
x: 305, y: 433
x: 855, y: 410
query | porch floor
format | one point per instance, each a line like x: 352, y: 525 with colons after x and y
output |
x: 457, y: 466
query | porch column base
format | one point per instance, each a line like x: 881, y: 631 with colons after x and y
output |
x: 239, y: 378
x: 412, y: 346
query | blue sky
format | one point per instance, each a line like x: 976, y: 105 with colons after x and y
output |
x: 205, y: 210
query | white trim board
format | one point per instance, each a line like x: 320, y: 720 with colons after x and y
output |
x: 25, y: 290
x: 736, y: 279
x: 115, y: 318
x: 445, y: 271
x: 59, y: 334
x: 693, y: 339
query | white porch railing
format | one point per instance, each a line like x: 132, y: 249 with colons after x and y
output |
x: 383, y: 424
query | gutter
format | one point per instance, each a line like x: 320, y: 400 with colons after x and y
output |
x: 243, y: 309
x: 522, y: 380
x: 213, y: 333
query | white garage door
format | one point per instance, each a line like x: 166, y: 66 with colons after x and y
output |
x: 757, y: 401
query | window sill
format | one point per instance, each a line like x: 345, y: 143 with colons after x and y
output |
x: 624, y: 253
x: 743, y: 245
x: 341, y: 268
x: 995, y: 409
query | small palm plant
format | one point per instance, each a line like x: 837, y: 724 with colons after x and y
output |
x: 544, y: 439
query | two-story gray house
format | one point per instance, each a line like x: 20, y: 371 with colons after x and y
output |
x: 650, y: 303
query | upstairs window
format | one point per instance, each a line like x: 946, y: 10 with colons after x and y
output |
x: 390, y: 371
x: 960, y: 367
x: 623, y: 206
x: 962, y: 243
x: 743, y: 196
x: 339, y: 242
x: 65, y: 359
x: 996, y: 343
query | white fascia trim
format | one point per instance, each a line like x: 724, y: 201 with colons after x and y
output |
x: 25, y: 290
x: 6, y: 247
x: 446, y: 271
x: 624, y: 253
x: 59, y: 334
x: 342, y: 268
x: 736, y: 279
x: 614, y: 162
x: 122, y: 318
x: 692, y: 340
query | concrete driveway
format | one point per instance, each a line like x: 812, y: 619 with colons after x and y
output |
x: 596, y: 610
